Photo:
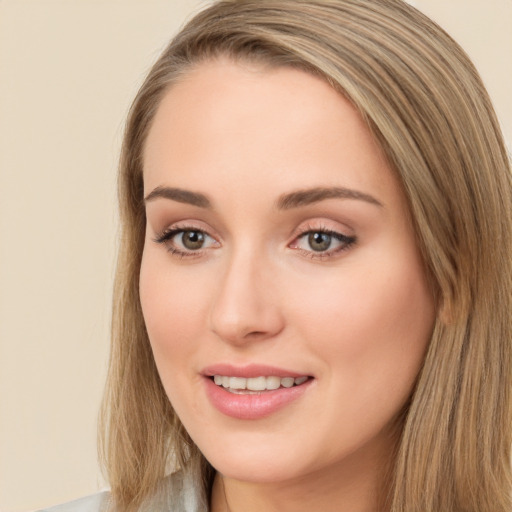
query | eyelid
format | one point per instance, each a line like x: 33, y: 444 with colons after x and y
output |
x: 324, y: 225
x: 186, y: 225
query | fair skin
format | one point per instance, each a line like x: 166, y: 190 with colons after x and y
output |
x: 239, y: 270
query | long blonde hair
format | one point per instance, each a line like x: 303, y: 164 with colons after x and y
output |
x: 425, y: 104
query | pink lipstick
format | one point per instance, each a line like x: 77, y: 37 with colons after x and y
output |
x: 254, y: 391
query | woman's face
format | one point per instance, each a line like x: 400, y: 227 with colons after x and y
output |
x: 280, y: 258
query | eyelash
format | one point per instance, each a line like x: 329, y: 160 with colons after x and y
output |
x: 169, y: 234
x: 346, y: 241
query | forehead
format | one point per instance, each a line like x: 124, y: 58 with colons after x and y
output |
x: 244, y: 123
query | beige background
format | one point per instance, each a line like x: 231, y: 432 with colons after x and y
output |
x: 68, y: 71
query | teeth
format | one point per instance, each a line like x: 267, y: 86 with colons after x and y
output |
x: 287, y: 382
x: 273, y: 382
x: 257, y: 383
x: 237, y: 383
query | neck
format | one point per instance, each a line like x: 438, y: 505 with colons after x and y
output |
x: 351, y: 486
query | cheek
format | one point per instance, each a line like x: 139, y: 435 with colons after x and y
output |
x: 371, y: 325
x: 173, y: 310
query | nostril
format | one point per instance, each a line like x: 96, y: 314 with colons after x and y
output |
x: 254, y: 334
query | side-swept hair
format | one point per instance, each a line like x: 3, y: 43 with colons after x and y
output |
x: 425, y: 104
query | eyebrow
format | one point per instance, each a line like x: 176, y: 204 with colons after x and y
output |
x: 180, y: 195
x: 314, y: 195
x: 285, y: 202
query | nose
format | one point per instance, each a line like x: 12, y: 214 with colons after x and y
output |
x: 245, y: 307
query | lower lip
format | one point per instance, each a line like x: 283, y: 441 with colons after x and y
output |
x: 253, y: 406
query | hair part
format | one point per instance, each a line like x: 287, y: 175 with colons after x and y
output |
x: 428, y: 109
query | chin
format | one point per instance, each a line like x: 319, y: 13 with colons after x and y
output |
x: 254, y: 460
x: 257, y: 471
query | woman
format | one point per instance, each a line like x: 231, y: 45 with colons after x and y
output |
x: 312, y: 305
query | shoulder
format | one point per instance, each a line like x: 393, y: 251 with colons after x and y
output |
x: 178, y: 492
x: 94, y: 503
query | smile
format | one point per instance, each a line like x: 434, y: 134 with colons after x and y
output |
x: 256, y: 384
x: 246, y: 394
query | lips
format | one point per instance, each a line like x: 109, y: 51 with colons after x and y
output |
x: 250, y: 370
x: 253, y: 392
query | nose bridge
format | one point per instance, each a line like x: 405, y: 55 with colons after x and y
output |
x: 245, y: 306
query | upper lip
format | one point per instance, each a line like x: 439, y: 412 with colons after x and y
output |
x: 248, y: 371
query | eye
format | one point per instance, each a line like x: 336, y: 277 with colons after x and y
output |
x: 185, y: 241
x: 319, y: 241
x: 322, y: 242
x: 191, y: 240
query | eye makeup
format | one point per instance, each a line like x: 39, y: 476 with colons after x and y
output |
x: 321, y: 242
x: 186, y: 241
x: 314, y: 242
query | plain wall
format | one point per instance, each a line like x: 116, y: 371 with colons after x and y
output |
x: 68, y: 71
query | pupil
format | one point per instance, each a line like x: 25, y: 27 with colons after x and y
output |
x: 319, y: 241
x: 193, y: 239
